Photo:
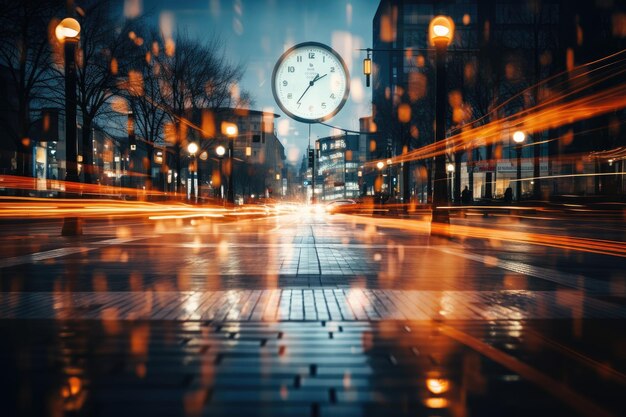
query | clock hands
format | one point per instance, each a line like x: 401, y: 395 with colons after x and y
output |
x: 311, y: 84
x: 307, y: 89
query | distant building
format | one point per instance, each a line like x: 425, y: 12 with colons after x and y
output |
x: 259, y: 156
x: 338, y: 167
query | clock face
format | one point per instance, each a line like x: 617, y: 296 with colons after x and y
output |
x: 310, y: 82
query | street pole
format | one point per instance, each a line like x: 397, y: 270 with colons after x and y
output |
x: 440, y: 192
x: 344, y: 172
x: 441, y: 33
x: 231, y: 191
x: 132, y: 147
x: 221, y: 183
x: 518, y: 138
x: 68, y: 32
x: 518, y: 186
x: 313, y: 178
x: 71, y: 141
x: 220, y: 154
x: 192, y: 189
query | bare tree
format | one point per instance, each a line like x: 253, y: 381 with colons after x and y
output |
x: 142, y: 90
x: 193, y: 75
x: 25, y: 59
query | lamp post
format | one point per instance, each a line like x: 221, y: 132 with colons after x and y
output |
x: 450, y: 170
x: 192, y: 148
x: 390, y: 188
x: 220, y: 151
x: 380, y: 165
x: 132, y: 148
x: 204, y: 155
x: 367, y: 67
x: 518, y: 138
x: 441, y: 32
x: 68, y: 33
x: 230, y: 129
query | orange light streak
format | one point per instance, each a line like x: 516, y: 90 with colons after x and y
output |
x: 549, y: 114
x: 598, y: 246
x: 35, y: 208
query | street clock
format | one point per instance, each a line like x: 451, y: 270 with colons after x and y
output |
x: 310, y: 82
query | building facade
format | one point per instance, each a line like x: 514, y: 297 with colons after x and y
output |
x: 338, y: 167
x: 259, y: 169
x: 496, y: 65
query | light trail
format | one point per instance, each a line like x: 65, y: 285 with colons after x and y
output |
x: 547, y: 177
x: 597, y: 246
x: 67, y: 187
x: 45, y: 208
x: 549, y: 114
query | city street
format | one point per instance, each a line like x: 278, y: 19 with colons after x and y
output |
x: 310, y: 314
x: 312, y: 208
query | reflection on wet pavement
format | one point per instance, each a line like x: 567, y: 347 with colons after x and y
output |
x: 310, y: 369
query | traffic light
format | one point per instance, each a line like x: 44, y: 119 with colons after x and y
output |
x: 311, y: 157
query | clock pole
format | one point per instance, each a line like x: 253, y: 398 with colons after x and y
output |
x: 312, y: 150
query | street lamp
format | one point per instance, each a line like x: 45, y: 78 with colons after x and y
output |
x: 441, y: 32
x: 367, y: 68
x: 380, y: 165
x: 231, y: 130
x: 450, y: 170
x: 220, y: 151
x: 518, y: 138
x: 68, y: 33
x: 192, y: 148
x: 132, y: 148
x: 390, y: 188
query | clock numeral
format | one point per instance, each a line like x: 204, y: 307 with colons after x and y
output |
x: 289, y: 96
x: 299, y: 58
x: 323, y: 105
x: 285, y: 83
x: 332, y: 95
x: 323, y: 59
x: 332, y: 69
x: 310, y: 108
x: 311, y: 55
x: 291, y: 69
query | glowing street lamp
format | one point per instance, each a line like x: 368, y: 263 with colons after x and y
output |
x: 450, y: 171
x: 518, y: 138
x: 441, y: 33
x: 67, y: 30
x: 380, y: 165
x: 192, y: 148
x: 230, y: 130
x: 367, y: 68
x: 220, y: 151
x: 68, y: 33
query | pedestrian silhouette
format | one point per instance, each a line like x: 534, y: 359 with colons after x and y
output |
x: 466, y: 196
x: 508, y: 195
